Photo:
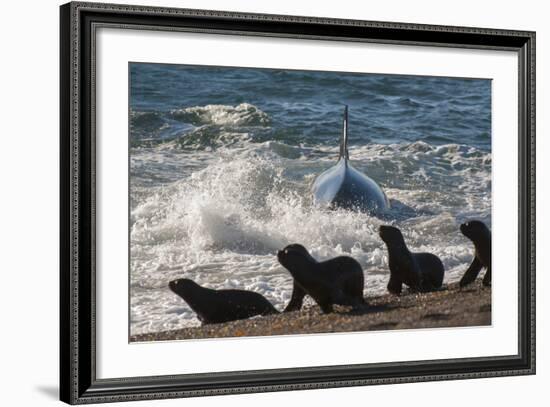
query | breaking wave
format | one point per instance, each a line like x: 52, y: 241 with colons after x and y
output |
x: 222, y: 224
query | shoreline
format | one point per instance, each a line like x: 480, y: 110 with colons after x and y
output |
x: 449, y: 307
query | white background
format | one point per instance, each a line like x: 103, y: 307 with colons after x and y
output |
x: 29, y: 207
x: 117, y: 358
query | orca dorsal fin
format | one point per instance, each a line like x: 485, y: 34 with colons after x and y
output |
x: 344, y: 137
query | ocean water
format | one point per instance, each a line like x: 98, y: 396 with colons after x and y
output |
x: 222, y: 161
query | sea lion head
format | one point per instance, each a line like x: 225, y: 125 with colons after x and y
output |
x: 391, y: 234
x: 293, y: 256
x: 183, y: 287
x: 473, y: 229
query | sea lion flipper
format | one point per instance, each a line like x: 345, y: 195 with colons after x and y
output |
x: 297, y: 298
x: 472, y: 272
x: 395, y: 285
x: 487, y: 278
x: 326, y: 308
x: 427, y: 286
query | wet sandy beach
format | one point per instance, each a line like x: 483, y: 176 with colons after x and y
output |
x: 450, y: 307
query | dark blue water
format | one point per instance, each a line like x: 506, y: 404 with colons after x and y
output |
x: 222, y: 161
x: 305, y: 107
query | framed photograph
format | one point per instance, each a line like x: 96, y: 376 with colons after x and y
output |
x: 255, y: 203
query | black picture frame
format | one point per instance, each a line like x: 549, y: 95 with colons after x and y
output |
x: 78, y: 382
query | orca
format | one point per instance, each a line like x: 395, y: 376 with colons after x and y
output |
x: 343, y: 186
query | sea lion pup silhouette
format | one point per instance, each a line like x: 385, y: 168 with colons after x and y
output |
x: 480, y: 235
x: 419, y: 271
x: 335, y: 281
x: 215, y: 306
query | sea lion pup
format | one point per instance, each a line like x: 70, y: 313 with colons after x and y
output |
x: 215, y: 306
x: 419, y: 271
x: 335, y: 281
x: 480, y: 235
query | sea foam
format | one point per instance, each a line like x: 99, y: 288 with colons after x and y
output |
x: 222, y: 224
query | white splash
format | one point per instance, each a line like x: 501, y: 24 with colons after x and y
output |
x: 222, y: 222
